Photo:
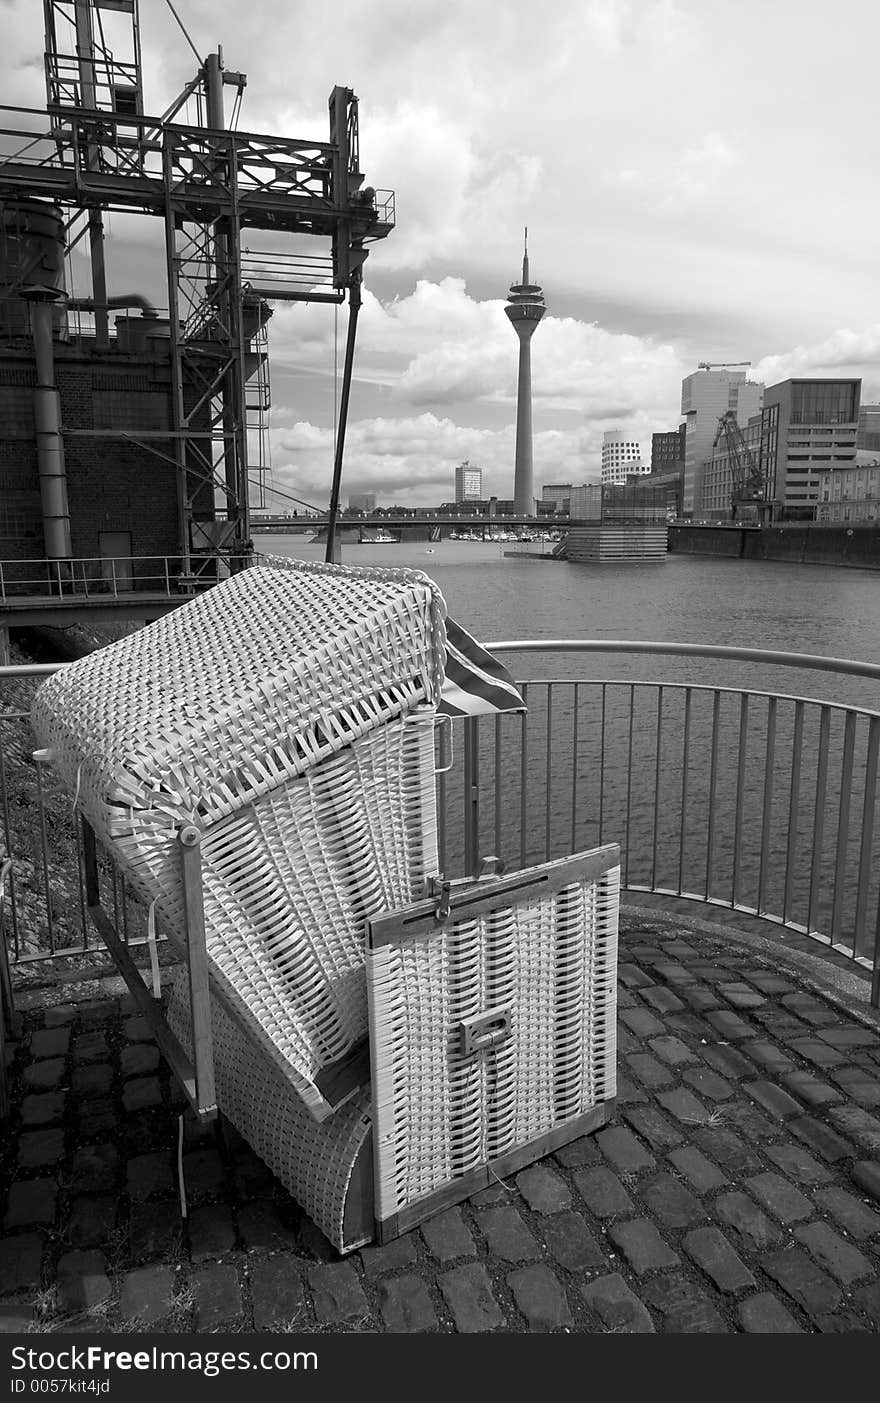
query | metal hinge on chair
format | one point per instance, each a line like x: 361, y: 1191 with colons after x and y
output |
x: 440, y: 892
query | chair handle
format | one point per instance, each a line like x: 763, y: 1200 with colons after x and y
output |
x: 483, y: 1031
x: 438, y: 722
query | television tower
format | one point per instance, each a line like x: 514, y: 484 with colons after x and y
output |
x: 525, y: 308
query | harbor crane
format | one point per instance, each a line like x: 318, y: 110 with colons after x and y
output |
x: 723, y: 364
x: 748, y: 486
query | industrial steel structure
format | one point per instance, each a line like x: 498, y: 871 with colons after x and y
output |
x: 206, y: 183
x: 748, y: 489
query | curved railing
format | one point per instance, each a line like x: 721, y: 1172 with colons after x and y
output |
x: 741, y: 795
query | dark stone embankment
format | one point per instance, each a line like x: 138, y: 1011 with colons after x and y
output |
x: 855, y: 546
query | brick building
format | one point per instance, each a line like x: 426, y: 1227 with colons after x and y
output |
x: 122, y: 494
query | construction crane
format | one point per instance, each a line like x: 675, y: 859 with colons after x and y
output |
x: 748, y: 487
x: 723, y: 364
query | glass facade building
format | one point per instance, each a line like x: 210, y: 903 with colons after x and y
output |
x: 807, y: 426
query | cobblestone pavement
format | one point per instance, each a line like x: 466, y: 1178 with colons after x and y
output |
x: 736, y: 1190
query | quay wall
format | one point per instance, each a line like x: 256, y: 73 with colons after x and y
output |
x: 707, y: 540
x: 856, y: 546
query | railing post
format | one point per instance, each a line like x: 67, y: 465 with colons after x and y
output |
x: 90, y: 864
x: 113, y: 574
x: 39, y: 757
x: 189, y: 839
x: 471, y: 797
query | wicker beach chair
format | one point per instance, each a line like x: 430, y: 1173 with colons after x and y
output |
x: 386, y: 1041
x: 286, y: 719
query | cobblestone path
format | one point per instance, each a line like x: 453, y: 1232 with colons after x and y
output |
x: 736, y: 1190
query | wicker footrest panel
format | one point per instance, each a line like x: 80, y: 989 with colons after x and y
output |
x: 326, y: 1167
x: 491, y: 1031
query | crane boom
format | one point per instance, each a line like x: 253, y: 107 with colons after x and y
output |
x: 723, y: 364
x: 747, y: 482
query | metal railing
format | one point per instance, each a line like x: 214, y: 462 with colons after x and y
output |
x: 101, y: 577
x: 747, y: 797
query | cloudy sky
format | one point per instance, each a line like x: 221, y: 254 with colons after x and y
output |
x: 698, y: 178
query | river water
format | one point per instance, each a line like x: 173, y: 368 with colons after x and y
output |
x: 685, y: 781
x: 685, y: 599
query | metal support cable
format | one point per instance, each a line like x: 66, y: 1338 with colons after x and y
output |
x: 185, y: 35
x: 353, y: 308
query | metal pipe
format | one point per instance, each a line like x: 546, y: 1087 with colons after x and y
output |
x: 85, y: 51
x: 121, y: 299
x: 50, y: 445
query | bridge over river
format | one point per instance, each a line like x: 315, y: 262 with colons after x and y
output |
x: 433, y: 527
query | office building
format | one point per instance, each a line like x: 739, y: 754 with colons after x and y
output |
x: 556, y: 495
x: 468, y: 482
x: 808, y: 427
x: 705, y: 397
x: 869, y: 428
x: 620, y: 455
x: 667, y: 450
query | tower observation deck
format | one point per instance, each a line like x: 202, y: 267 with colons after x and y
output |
x: 525, y: 308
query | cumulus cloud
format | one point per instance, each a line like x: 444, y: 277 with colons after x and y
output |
x: 453, y: 359
x: 412, y: 461
x: 440, y: 347
x: 843, y: 353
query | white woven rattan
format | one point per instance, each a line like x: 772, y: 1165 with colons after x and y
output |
x: 432, y: 1115
x: 315, y: 1162
x: 551, y: 964
x: 289, y: 881
x: 288, y: 714
x: 231, y: 695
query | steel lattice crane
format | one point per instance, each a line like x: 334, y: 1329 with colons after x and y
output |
x: 748, y: 486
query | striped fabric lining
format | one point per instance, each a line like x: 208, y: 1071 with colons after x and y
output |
x: 475, y: 683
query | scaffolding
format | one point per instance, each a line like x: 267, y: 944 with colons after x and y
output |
x: 207, y: 184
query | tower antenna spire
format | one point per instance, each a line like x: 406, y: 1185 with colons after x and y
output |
x: 525, y: 308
